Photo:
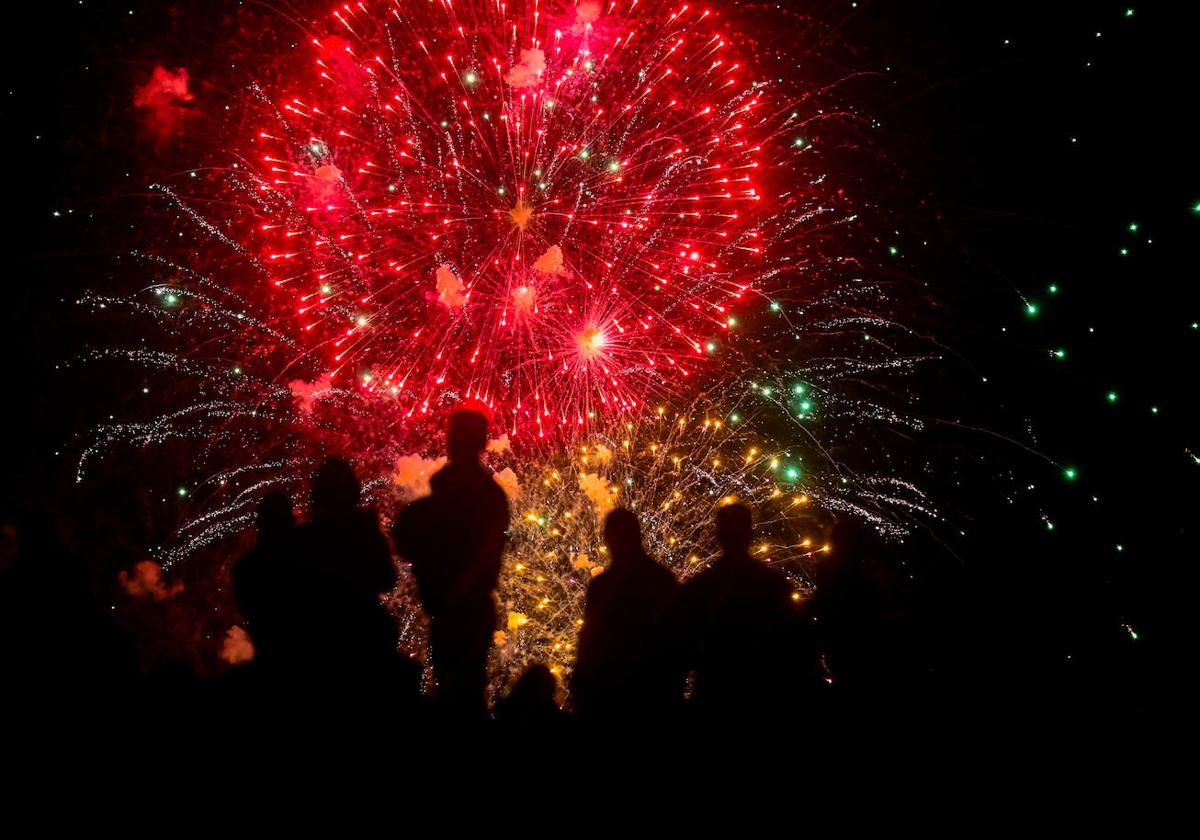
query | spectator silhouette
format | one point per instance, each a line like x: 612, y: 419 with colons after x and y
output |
x: 627, y: 664
x: 344, y: 565
x: 454, y: 539
x: 261, y: 583
x: 532, y: 701
x: 746, y: 642
x: 848, y: 609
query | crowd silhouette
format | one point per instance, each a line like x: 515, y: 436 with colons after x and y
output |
x: 733, y: 641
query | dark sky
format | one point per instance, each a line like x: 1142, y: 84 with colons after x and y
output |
x: 1028, y: 138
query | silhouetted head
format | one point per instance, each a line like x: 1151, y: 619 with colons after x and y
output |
x: 735, y: 527
x: 467, y: 436
x: 623, y: 534
x: 335, y: 489
x: 852, y: 544
x: 535, y: 690
x: 274, y: 514
x: 841, y: 576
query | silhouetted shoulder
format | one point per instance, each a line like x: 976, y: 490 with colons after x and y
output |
x: 705, y: 583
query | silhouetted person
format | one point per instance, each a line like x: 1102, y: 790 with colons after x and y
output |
x: 454, y: 539
x: 261, y: 582
x: 848, y: 609
x: 627, y: 664
x: 532, y: 701
x: 344, y: 565
x: 747, y: 645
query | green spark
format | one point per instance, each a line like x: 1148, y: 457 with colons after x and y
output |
x: 1070, y: 473
x: 1031, y: 308
x: 1112, y: 396
x: 1060, y: 353
x: 775, y: 306
x: 1133, y: 228
x: 893, y: 250
x: 1124, y: 252
x: 1053, y: 288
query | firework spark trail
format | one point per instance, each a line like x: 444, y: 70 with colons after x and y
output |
x: 595, y: 222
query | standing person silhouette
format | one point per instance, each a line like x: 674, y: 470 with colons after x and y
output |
x: 627, y: 666
x: 344, y: 565
x: 849, y: 612
x: 260, y: 580
x: 454, y: 539
x: 744, y: 631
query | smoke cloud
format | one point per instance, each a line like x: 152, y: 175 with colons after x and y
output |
x: 237, y: 647
x: 449, y: 288
x: 145, y: 580
x: 164, y: 101
x: 412, y: 474
x: 525, y: 73
x: 307, y: 393
x: 600, y: 491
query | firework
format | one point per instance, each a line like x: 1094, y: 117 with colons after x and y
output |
x: 597, y: 223
x: 547, y: 210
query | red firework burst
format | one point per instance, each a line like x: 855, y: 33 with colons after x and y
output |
x: 550, y: 210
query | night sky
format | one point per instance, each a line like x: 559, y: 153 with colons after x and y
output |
x: 1040, y: 163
